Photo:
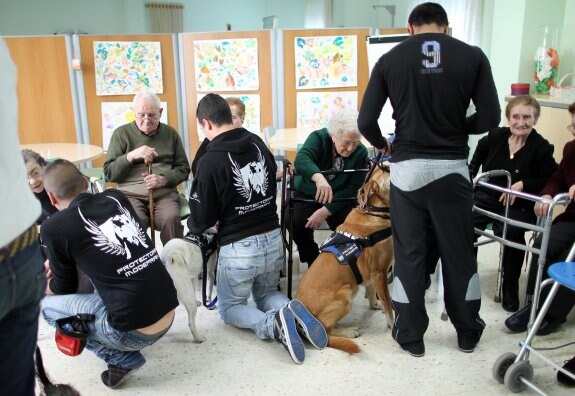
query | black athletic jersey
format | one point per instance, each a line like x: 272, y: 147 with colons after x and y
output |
x: 430, y: 79
x: 102, y: 235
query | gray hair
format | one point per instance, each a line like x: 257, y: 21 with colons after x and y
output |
x: 147, y: 95
x: 30, y: 155
x: 343, y: 121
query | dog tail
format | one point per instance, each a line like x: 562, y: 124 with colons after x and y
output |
x: 46, y: 386
x: 343, y: 344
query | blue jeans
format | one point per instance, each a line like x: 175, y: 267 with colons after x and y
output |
x: 22, y: 286
x: 251, y: 266
x: 115, y: 347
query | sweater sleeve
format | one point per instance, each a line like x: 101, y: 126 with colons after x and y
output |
x: 487, y: 110
x: 544, y: 166
x: 479, y: 156
x: 64, y: 271
x: 373, y: 101
x: 563, y: 177
x: 308, y: 156
x: 117, y: 166
x: 180, y: 166
x: 204, y: 204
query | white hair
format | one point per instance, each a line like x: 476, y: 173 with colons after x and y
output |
x: 343, y: 121
x: 147, y: 95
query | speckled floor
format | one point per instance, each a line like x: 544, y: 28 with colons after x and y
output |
x: 235, y: 362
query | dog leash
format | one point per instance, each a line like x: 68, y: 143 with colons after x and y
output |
x: 208, y: 246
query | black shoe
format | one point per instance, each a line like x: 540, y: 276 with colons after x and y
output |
x: 416, y: 348
x: 510, y: 301
x: 518, y: 322
x: 285, y: 332
x: 116, y: 376
x: 467, y: 339
x: 549, y: 325
x: 563, y: 378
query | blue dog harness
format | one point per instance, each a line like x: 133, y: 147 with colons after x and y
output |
x: 347, y: 248
x: 208, y: 245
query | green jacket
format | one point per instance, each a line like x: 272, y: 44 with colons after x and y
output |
x: 316, y: 155
x: 171, y: 162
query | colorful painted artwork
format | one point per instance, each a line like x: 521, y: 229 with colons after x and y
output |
x: 126, y: 67
x: 226, y: 65
x: 314, y: 109
x: 252, y: 117
x: 325, y: 62
x: 115, y: 114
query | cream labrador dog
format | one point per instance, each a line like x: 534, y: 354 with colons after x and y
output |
x: 184, y: 261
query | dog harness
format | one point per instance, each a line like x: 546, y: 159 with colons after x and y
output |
x: 347, y: 248
x: 208, y: 245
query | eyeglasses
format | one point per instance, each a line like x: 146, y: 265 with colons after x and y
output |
x: 349, y: 143
x: 151, y: 116
x: 35, y: 174
x: 571, y: 128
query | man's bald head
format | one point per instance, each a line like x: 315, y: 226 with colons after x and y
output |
x: 63, y: 179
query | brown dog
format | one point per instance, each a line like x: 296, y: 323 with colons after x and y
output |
x: 327, y: 288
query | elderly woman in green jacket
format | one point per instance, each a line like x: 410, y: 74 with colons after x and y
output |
x: 336, y: 147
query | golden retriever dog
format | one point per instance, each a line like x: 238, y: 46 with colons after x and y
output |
x: 184, y: 262
x: 327, y: 288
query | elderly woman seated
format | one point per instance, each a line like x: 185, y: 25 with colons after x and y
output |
x: 35, y: 165
x: 528, y: 157
x: 337, y: 148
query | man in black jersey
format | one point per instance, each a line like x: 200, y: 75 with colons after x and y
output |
x: 135, y: 297
x: 430, y: 79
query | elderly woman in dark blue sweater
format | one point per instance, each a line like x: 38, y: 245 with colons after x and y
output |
x: 528, y: 157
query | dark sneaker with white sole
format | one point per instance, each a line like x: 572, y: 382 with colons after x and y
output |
x: 116, y: 376
x: 308, y: 325
x: 285, y: 332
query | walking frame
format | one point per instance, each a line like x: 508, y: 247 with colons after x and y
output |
x: 515, y: 371
x: 543, y: 226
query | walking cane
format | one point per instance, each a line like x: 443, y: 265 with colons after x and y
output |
x: 151, y: 200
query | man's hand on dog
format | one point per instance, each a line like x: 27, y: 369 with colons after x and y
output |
x: 317, y: 218
x: 323, y: 194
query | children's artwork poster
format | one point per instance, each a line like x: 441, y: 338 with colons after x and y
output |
x: 314, y: 109
x: 252, y: 116
x: 126, y: 67
x: 325, y: 62
x: 226, y: 65
x: 116, y: 114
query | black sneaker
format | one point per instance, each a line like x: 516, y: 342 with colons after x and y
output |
x: 285, y: 331
x: 563, y: 378
x: 416, y: 348
x: 116, y: 376
x: 467, y: 339
x: 308, y: 325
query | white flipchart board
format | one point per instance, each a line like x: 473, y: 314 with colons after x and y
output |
x: 376, y: 47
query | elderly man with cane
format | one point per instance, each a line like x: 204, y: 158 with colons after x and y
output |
x: 132, y: 150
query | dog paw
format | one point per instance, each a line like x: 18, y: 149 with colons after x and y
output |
x: 349, y: 332
x: 374, y: 305
x: 198, y: 303
x: 199, y: 340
